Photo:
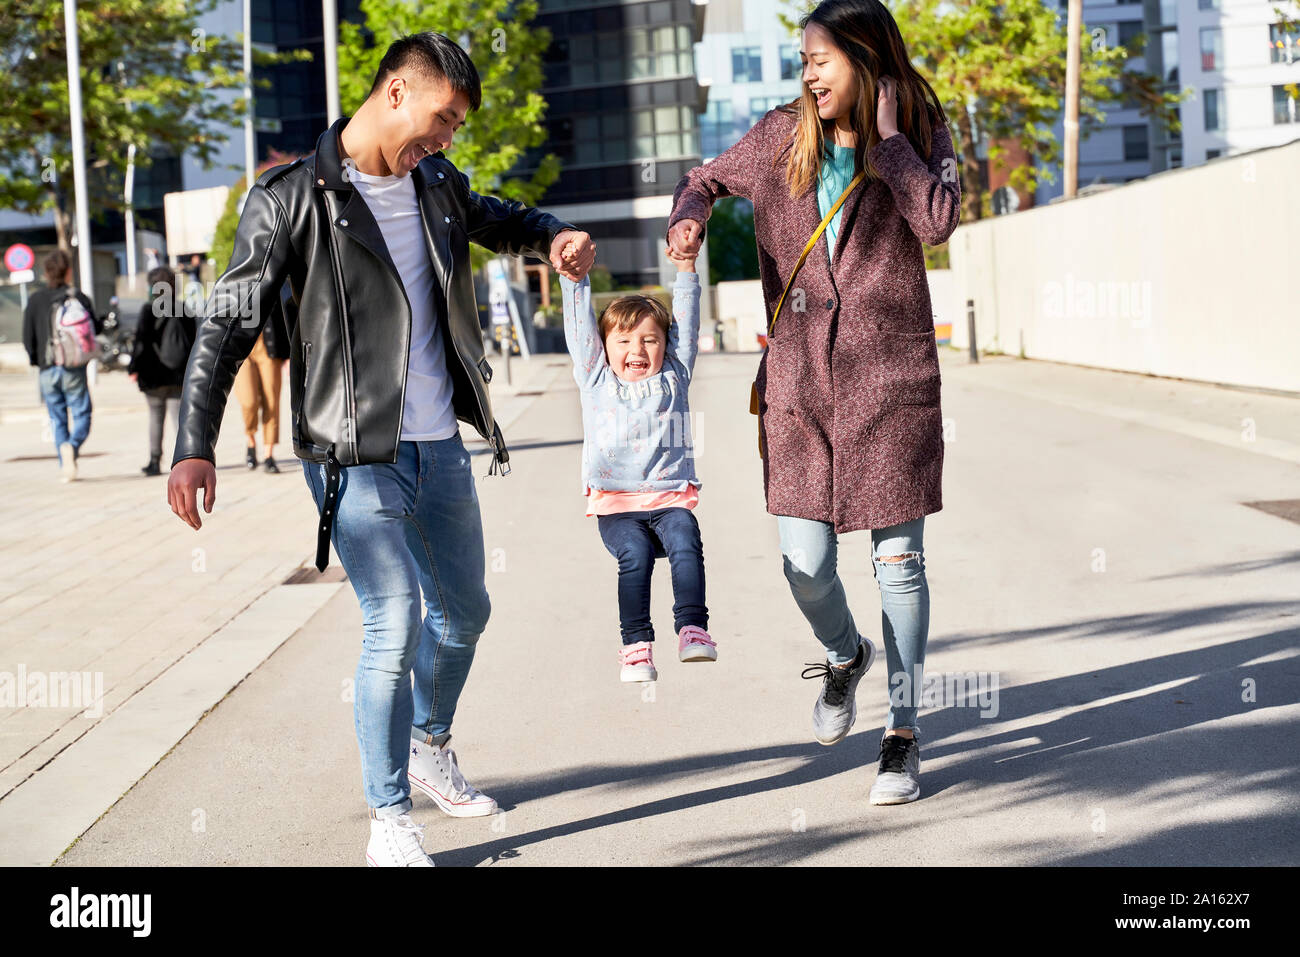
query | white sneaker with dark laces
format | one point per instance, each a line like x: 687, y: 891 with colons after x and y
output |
x: 836, y: 707
x: 434, y: 771
x: 396, y: 842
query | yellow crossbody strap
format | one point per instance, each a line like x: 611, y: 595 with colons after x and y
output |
x: 808, y: 248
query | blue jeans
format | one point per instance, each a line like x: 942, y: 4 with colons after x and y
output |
x: 809, y: 548
x: 64, y: 391
x: 400, y: 529
x: 636, y: 539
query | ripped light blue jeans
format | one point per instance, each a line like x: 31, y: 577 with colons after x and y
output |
x: 810, y: 550
x: 403, y: 529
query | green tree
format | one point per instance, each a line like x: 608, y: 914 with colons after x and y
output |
x: 998, y: 68
x: 150, y: 76
x: 507, y: 53
x: 733, y: 251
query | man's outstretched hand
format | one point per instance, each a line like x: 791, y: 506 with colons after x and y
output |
x: 188, y: 476
x: 572, y: 254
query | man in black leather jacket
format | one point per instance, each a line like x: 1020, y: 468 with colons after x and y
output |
x: 372, y: 233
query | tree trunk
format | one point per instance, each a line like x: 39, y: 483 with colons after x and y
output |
x: 62, y: 220
x: 973, y: 187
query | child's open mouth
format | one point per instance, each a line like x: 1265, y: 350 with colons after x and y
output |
x: 636, y: 365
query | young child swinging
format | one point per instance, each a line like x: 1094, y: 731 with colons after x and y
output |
x: 633, y: 366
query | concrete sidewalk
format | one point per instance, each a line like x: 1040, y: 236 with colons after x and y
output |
x: 1142, y: 623
x: 131, y: 624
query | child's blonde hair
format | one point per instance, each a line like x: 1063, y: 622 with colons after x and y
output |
x: 625, y: 314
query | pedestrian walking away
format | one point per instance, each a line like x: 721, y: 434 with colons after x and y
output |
x: 59, y: 329
x: 372, y: 233
x: 633, y: 367
x: 846, y: 186
x: 258, y: 383
x: 163, y: 340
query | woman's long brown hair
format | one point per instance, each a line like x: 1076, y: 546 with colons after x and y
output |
x: 868, y: 37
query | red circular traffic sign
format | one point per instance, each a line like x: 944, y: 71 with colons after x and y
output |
x: 19, y: 257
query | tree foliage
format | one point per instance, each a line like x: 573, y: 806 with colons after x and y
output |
x: 506, y: 50
x: 998, y: 68
x: 150, y: 76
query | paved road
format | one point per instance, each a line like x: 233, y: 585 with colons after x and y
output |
x: 1094, y: 552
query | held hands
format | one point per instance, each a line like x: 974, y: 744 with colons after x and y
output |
x: 685, y: 239
x: 572, y: 254
x: 683, y: 263
x: 887, y: 107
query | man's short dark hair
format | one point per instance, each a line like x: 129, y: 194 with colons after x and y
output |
x: 435, y: 57
x: 57, y: 265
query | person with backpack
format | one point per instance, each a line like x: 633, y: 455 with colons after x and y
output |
x: 163, y: 339
x: 59, y: 329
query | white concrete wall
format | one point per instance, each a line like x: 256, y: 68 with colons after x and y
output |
x: 1190, y: 273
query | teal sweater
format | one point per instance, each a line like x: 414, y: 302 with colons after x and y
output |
x: 836, y: 173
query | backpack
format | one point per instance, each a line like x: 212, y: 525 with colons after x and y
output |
x: 176, y: 336
x: 72, y: 341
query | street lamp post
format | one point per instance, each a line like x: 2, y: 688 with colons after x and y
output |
x: 250, y: 152
x: 329, y: 14
x: 86, y: 277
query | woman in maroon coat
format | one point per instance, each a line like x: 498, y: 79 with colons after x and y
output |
x: 848, y: 386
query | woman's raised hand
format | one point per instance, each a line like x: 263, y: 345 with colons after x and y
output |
x: 685, y: 238
x: 887, y: 108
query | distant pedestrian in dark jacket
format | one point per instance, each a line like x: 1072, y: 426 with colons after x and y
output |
x: 63, y: 373
x: 163, y: 339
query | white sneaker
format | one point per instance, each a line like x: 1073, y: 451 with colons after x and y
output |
x: 396, y: 842
x: 68, y: 462
x: 435, y: 772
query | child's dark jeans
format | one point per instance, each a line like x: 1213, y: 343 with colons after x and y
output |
x: 636, y: 539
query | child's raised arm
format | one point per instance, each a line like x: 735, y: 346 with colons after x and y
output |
x: 684, y: 333
x: 581, y: 332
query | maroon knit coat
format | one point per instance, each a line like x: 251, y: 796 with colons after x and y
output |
x: 849, y: 384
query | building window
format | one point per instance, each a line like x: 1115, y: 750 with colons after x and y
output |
x: 717, y: 128
x: 1207, y: 4
x: 1169, y: 52
x: 746, y: 65
x: 1169, y: 12
x: 1213, y: 102
x: 791, y: 69
x: 1283, y: 44
x: 614, y: 56
x: 1129, y: 31
x: 1285, y: 108
x: 759, y: 105
x: 1174, y: 157
x: 1136, y: 143
x: 663, y: 132
x: 1211, y: 49
x: 1213, y: 154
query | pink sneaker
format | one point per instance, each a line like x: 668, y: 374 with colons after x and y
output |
x: 694, y: 644
x: 638, y: 662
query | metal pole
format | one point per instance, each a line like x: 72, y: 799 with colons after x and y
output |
x: 329, y: 14
x: 86, y: 278
x: 250, y: 151
x: 1073, y: 23
x: 970, y: 330
x: 128, y: 193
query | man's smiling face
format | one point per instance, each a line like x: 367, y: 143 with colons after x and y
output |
x: 423, y: 116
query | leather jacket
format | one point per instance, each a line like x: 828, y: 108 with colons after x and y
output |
x: 303, y: 223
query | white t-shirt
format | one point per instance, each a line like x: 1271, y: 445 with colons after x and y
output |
x: 427, y: 413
